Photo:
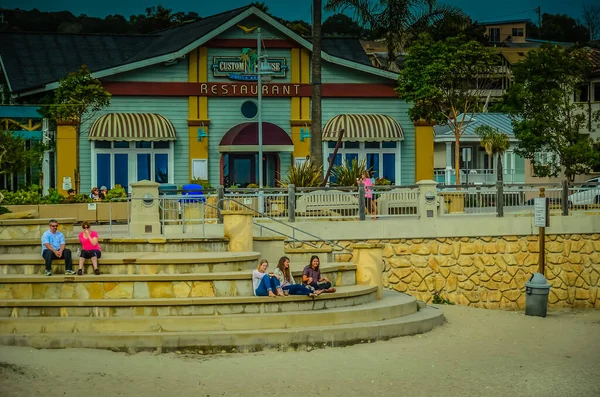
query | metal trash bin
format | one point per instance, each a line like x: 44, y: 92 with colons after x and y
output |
x: 536, y: 295
x: 169, y: 207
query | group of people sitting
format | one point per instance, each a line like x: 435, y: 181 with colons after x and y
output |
x: 281, y: 282
x: 98, y: 195
x: 278, y: 283
x: 53, y: 247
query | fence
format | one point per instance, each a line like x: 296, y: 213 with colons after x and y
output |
x: 182, y: 213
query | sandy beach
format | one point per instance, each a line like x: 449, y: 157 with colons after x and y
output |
x: 477, y: 352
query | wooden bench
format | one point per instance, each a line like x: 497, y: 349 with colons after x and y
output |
x: 398, y: 201
x: 329, y: 200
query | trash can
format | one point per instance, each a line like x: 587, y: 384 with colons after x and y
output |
x: 169, y: 207
x: 536, y: 295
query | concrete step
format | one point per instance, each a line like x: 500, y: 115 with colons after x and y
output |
x: 195, y: 306
x: 124, y: 244
x: 162, y: 285
x: 235, y: 340
x: 394, y: 306
x: 139, y: 263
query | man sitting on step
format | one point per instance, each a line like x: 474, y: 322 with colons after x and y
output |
x: 53, y: 247
x: 311, y: 276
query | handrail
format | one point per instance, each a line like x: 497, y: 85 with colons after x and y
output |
x: 343, y: 249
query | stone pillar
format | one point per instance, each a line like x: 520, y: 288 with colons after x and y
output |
x: 428, y: 199
x: 369, y: 265
x: 145, y: 217
x: 237, y: 226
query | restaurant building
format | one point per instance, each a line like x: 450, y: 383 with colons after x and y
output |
x: 184, y: 104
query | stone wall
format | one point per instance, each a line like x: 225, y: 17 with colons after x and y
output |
x: 491, y: 272
x: 24, y: 229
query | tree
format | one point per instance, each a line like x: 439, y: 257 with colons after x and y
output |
x: 563, y: 28
x: 591, y: 18
x: 546, y: 120
x: 446, y: 82
x: 15, y: 157
x: 342, y: 25
x: 316, y: 135
x: 77, y: 99
x: 495, y: 143
x: 457, y: 25
x: 398, y: 21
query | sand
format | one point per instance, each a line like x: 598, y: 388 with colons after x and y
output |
x: 477, y: 352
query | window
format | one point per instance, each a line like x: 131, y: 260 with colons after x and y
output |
x: 249, y: 109
x: 381, y: 157
x: 596, y: 92
x: 126, y: 162
x: 517, y: 32
x: 494, y: 35
x: 582, y: 93
x: 544, y: 160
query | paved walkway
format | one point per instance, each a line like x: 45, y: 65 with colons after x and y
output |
x: 477, y: 353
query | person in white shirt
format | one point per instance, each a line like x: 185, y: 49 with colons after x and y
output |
x: 264, y: 283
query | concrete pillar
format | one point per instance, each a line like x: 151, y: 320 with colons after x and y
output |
x: 428, y: 199
x: 369, y: 265
x: 237, y: 226
x: 145, y: 217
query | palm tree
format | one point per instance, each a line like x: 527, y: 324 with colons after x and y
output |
x: 397, y: 21
x: 495, y: 143
x: 316, y: 141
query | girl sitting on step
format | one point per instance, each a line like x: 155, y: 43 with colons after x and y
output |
x: 265, y: 283
x: 284, y: 275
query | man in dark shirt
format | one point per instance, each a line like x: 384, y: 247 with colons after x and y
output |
x: 311, y: 276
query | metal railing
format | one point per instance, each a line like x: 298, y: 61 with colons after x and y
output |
x: 233, y: 203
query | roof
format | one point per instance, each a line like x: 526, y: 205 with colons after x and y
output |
x: 513, y: 54
x: 348, y: 48
x: 31, y: 60
x: 595, y: 61
x: 509, y: 21
x: 37, y: 61
x: 20, y: 111
x: 501, y: 121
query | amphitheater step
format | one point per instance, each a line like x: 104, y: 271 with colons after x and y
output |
x: 235, y: 340
x: 195, y: 306
x: 162, y: 285
x: 140, y: 262
x: 394, y: 306
x: 124, y: 244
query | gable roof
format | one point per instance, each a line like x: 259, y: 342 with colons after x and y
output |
x: 35, y: 62
x: 501, y: 121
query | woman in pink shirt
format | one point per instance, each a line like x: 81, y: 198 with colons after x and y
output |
x: 90, y: 248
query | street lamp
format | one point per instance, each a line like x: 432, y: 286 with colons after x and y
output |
x: 263, y: 74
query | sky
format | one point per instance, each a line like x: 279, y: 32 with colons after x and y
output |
x: 480, y: 10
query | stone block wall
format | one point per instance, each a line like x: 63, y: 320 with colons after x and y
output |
x: 491, y: 272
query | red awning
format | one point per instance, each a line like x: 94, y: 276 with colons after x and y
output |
x: 244, y: 138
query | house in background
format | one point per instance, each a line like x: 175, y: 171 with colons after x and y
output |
x: 476, y: 166
x: 514, y: 31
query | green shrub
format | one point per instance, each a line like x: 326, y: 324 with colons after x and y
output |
x: 303, y: 175
x: 53, y: 197
x: 116, y: 192
x: 202, y: 182
x: 4, y: 210
x: 345, y: 175
x: 21, y: 197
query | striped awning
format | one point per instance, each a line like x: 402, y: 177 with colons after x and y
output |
x: 363, y: 128
x: 132, y: 127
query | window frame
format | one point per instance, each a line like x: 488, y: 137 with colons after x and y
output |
x: 132, y: 169
x: 362, y: 155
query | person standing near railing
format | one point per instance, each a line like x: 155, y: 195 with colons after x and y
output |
x: 370, y: 205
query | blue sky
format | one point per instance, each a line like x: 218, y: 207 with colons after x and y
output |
x: 481, y: 10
